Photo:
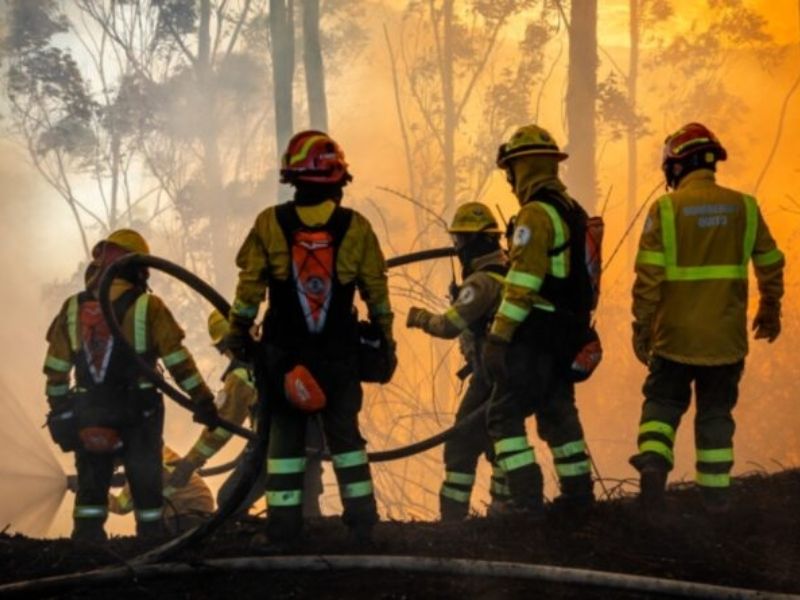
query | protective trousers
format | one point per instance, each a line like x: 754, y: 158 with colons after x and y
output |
x: 312, y: 487
x: 461, y: 453
x: 286, y: 462
x: 141, y: 458
x: 537, y: 383
x: 668, y: 393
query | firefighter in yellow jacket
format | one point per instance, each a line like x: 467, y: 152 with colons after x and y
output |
x: 311, y: 255
x: 236, y: 402
x: 690, y: 310
x: 111, y: 411
x: 185, y: 506
x: 484, y: 263
x: 532, y: 339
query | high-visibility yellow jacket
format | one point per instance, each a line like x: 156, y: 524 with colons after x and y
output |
x: 265, y: 252
x: 194, y: 497
x: 692, y: 269
x: 148, y: 326
x: 234, y: 403
x: 538, y: 229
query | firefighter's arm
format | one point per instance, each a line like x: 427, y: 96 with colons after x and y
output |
x: 372, y: 280
x: 236, y: 399
x: 252, y: 260
x: 769, y: 263
x: 58, y: 363
x: 650, y: 264
x: 476, y: 298
x: 167, y: 342
x: 533, y: 237
x: 122, y: 503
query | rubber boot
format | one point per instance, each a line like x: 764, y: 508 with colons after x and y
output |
x: 89, y: 530
x: 284, y: 524
x: 451, y: 510
x: 150, y: 530
x: 652, y: 483
x: 716, y: 501
x: 577, y: 495
x: 360, y: 516
x: 527, y: 493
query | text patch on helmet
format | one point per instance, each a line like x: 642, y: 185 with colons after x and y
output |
x: 312, y: 267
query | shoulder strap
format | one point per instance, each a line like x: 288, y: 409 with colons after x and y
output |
x: 288, y: 220
x: 339, y: 223
x: 500, y: 270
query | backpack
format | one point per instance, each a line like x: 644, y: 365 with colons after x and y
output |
x: 580, y: 293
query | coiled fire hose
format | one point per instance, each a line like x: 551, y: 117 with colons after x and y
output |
x: 258, y: 439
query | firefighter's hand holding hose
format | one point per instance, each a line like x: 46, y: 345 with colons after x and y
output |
x: 238, y: 340
x: 205, y: 411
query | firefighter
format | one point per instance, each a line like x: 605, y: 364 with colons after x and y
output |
x: 690, y: 312
x: 476, y: 236
x: 236, y: 402
x: 311, y: 255
x: 117, y: 412
x: 185, y: 506
x: 531, y: 341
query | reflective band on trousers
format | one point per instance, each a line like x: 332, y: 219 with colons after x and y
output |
x: 285, y: 466
x: 452, y: 315
x: 349, y: 459
x: 715, y: 480
x: 518, y: 460
x: 718, y: 455
x: 569, y: 449
x: 512, y: 311
x: 526, y: 280
x: 176, y: 357
x: 148, y: 515
x: 664, y: 429
x: 669, y: 238
x: 380, y: 309
x: 454, y: 494
x: 459, y: 478
x: 248, y: 311
x: 90, y: 512
x: 222, y: 434
x: 558, y: 262
x: 72, y: 324
x: 57, y: 364
x: 57, y: 390
x: 204, y: 449
x: 511, y: 444
x: 573, y: 469
x: 356, y: 490
x: 140, y: 324
x: 191, y: 382
x: 284, y: 498
x: 500, y: 489
x: 657, y: 447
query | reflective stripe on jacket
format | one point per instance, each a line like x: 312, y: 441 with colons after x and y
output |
x: 538, y: 229
x: 148, y: 325
x: 266, y: 251
x: 692, y: 270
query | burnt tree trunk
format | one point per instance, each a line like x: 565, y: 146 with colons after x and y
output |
x: 314, y: 67
x: 281, y: 29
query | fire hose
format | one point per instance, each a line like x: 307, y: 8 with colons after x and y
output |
x: 254, y: 459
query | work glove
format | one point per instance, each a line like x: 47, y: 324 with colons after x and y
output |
x: 642, y: 343
x: 767, y: 322
x: 239, y: 341
x: 181, y: 473
x: 205, y: 411
x: 391, y: 358
x: 495, y: 350
x: 417, y: 317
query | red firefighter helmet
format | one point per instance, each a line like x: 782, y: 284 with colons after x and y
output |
x: 690, y: 139
x: 314, y: 157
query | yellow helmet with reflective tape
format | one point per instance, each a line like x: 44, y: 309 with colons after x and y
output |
x: 129, y: 240
x: 526, y: 141
x: 218, y: 326
x: 474, y: 217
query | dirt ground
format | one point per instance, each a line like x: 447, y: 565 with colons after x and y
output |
x: 755, y: 545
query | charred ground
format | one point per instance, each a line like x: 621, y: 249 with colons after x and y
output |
x: 756, y: 545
